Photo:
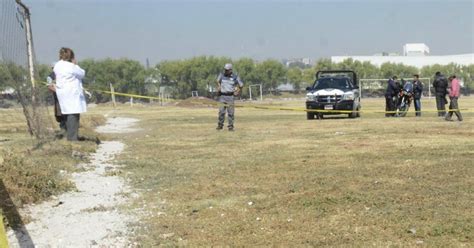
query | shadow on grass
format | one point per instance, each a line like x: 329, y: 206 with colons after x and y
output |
x: 14, y: 218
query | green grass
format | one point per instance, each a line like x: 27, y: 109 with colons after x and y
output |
x: 372, y: 181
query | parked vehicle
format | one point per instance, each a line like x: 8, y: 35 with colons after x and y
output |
x: 333, y: 92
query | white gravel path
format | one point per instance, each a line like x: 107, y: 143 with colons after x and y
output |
x: 89, y: 217
x: 118, y: 125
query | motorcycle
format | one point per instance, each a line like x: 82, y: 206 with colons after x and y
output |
x: 405, y: 99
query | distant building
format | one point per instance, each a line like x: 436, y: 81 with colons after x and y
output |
x: 306, y: 61
x: 285, y: 87
x: 416, y: 55
x: 8, y: 91
x: 416, y: 49
x: 302, y: 62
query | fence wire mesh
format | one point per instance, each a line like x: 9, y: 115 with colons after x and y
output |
x: 17, y: 69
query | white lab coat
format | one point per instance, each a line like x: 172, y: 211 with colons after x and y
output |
x: 69, y: 87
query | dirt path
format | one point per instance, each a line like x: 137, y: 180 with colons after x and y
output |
x: 89, y: 217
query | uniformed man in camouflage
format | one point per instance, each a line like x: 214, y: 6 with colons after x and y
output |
x: 228, y: 86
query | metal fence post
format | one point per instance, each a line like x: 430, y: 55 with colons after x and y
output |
x: 112, y: 91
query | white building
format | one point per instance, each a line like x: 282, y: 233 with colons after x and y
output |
x: 304, y: 61
x: 416, y: 55
x: 7, y: 91
x: 416, y: 49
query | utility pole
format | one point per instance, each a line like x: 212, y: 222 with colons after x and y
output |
x: 112, y: 94
x: 29, y: 43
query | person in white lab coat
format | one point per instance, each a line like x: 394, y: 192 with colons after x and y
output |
x: 69, y: 91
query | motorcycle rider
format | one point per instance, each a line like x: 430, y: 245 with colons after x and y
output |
x: 406, y: 87
x: 404, y: 97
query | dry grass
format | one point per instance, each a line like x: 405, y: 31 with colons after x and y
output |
x: 32, y: 172
x: 281, y: 180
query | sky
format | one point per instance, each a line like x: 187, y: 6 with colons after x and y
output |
x: 161, y: 30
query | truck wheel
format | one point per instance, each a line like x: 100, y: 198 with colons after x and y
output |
x: 309, y: 116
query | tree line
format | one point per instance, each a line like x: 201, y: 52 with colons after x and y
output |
x: 180, y: 77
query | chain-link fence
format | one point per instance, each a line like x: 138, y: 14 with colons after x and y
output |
x: 17, y: 63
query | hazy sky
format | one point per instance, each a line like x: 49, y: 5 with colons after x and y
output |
x: 164, y: 30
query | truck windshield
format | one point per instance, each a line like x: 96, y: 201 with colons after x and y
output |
x: 332, y: 83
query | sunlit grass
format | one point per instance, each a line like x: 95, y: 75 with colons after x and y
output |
x: 281, y: 180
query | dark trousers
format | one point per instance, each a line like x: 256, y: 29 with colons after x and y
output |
x: 418, y: 107
x: 226, y: 105
x: 441, y: 104
x: 389, y: 106
x: 72, y: 126
x: 62, y: 122
x: 453, y: 108
x: 60, y: 118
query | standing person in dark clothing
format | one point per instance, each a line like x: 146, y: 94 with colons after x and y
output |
x: 417, y: 92
x: 390, y: 94
x: 454, y: 90
x: 440, y: 84
x: 60, y: 118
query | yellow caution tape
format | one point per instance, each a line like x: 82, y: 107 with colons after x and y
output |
x: 123, y: 94
x: 328, y: 111
x: 133, y: 95
x: 255, y: 106
x: 3, y: 234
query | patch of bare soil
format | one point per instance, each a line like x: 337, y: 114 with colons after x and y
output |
x: 197, y: 102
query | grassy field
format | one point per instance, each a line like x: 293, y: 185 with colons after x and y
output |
x: 280, y: 180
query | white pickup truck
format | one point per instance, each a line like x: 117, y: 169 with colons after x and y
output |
x: 333, y: 92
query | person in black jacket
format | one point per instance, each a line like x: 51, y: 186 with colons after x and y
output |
x: 417, y: 92
x: 60, y: 118
x: 390, y: 94
x: 440, y: 85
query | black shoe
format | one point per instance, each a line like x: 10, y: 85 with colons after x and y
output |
x: 231, y: 129
x: 218, y: 128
